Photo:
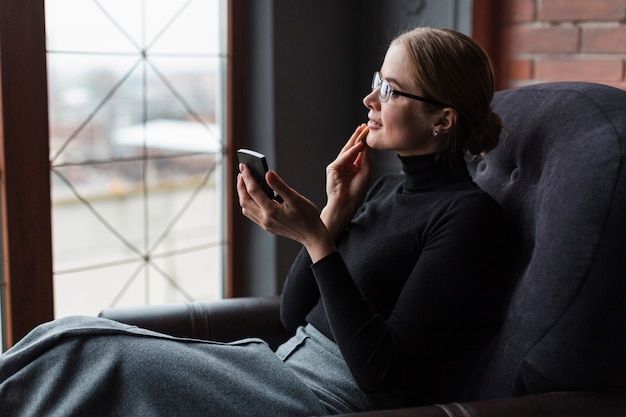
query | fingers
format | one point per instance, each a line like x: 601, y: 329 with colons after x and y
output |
x: 285, y: 192
x: 362, y: 135
x: 251, y: 196
x: 353, y: 139
x: 362, y: 160
x: 247, y: 203
x: 355, y: 151
x: 255, y: 204
x: 352, y: 155
x: 249, y: 190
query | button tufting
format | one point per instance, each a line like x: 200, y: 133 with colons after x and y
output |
x: 514, y: 174
x: 482, y: 166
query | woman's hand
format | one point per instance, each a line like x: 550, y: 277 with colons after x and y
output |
x: 295, y: 218
x: 347, y: 181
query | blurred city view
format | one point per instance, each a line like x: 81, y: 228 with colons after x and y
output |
x: 136, y: 92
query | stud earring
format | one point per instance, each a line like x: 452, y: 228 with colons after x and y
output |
x: 435, y: 133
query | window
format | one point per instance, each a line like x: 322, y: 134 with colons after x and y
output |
x: 136, y: 98
x: 26, y: 280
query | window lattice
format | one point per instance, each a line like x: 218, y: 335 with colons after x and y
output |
x: 136, y: 122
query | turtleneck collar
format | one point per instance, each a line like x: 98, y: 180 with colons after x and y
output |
x: 424, y: 172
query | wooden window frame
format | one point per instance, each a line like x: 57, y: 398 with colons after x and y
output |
x: 236, y: 114
x: 24, y: 169
x: 27, y: 276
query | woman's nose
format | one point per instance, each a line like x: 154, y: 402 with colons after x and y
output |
x: 371, y: 100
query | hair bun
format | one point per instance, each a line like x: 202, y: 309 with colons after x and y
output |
x: 484, y: 136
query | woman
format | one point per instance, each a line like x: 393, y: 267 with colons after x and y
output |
x: 392, y: 297
x: 406, y: 289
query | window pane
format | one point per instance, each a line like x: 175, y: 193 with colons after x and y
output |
x: 136, y: 127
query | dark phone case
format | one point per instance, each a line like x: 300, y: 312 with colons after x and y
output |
x: 257, y: 164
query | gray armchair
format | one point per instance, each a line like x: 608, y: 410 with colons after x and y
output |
x: 559, y: 174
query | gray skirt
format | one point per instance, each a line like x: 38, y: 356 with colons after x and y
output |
x: 83, y: 366
x: 318, y: 362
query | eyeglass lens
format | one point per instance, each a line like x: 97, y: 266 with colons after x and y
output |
x: 385, y: 87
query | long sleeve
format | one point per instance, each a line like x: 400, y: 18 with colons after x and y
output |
x: 300, y: 293
x: 447, y: 294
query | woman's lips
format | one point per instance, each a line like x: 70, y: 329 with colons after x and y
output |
x: 372, y: 124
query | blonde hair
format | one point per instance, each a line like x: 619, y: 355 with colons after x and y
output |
x: 452, y: 68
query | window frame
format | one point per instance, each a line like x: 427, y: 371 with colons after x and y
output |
x: 24, y: 165
x: 26, y: 283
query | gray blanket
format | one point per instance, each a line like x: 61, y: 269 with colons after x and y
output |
x: 84, y: 366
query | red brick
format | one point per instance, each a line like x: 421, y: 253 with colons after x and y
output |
x: 517, y: 11
x: 516, y: 69
x: 568, y: 10
x: 529, y: 39
x: 604, y: 40
x: 579, y: 69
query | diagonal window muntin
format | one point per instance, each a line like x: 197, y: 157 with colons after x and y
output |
x: 143, y: 254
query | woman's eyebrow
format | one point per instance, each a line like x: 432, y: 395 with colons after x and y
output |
x: 392, y: 80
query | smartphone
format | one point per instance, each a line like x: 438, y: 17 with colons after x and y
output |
x: 257, y: 164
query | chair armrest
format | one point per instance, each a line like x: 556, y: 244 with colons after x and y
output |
x: 221, y: 320
x: 570, y: 404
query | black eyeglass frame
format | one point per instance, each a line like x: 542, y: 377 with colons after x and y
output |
x: 401, y: 93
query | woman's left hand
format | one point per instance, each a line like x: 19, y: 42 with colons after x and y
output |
x: 296, y: 218
x: 347, y: 181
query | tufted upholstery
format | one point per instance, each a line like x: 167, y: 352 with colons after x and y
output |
x: 559, y: 175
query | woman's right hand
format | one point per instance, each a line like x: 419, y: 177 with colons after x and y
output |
x: 347, y: 182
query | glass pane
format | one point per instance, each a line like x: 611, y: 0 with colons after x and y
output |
x: 136, y: 142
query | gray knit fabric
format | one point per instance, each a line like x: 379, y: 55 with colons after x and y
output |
x: 84, y: 366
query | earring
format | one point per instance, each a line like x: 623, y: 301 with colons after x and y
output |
x: 435, y: 133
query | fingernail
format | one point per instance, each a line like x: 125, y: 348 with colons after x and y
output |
x: 240, y: 167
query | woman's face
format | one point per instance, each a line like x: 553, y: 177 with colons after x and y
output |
x: 401, y: 124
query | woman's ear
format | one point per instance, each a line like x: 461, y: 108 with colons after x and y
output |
x: 445, y: 121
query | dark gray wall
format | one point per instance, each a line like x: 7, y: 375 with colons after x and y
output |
x: 310, y: 65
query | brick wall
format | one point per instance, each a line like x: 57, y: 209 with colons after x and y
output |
x: 559, y: 40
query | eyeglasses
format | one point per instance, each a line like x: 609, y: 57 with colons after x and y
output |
x: 386, y: 91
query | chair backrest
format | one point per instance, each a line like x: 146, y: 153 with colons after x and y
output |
x: 559, y: 174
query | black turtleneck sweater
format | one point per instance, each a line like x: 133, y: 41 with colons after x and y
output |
x: 412, y: 294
